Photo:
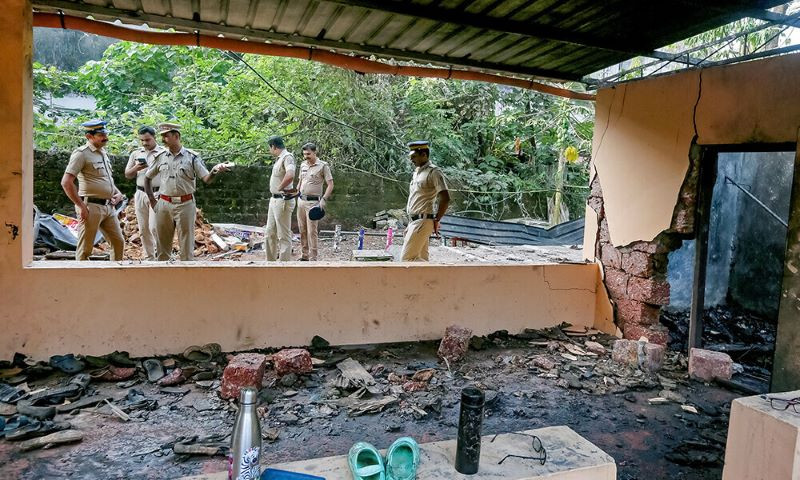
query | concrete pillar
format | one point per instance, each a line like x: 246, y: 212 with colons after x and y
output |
x: 16, y: 140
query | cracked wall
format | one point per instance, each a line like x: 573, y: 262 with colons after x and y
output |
x: 647, y: 143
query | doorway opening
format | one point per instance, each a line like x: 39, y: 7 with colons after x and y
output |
x: 725, y: 284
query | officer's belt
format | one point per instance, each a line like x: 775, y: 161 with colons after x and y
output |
x: 99, y: 201
x: 310, y: 198
x: 179, y: 199
x: 155, y: 189
x: 423, y: 216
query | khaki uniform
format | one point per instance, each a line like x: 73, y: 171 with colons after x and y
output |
x: 178, y: 174
x: 312, y: 179
x: 278, y: 233
x: 146, y: 221
x: 93, y: 169
x: 426, y: 184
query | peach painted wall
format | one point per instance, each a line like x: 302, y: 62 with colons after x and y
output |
x: 644, y: 129
x: 95, y: 308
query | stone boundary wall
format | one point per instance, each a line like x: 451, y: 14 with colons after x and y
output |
x: 240, y: 196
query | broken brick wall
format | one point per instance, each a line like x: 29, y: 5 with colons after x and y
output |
x: 636, y: 274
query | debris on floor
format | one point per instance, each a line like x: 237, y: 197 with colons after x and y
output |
x: 319, y: 401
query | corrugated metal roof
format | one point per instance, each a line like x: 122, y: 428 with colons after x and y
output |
x: 563, y: 40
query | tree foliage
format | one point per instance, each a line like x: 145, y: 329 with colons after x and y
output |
x: 498, y: 145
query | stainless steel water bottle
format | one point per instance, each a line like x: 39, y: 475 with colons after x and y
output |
x: 245, y: 456
x: 468, y: 447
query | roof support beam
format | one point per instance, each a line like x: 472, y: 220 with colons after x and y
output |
x: 110, y: 14
x: 502, y: 25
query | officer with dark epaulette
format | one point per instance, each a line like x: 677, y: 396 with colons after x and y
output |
x: 96, y: 194
x: 177, y: 168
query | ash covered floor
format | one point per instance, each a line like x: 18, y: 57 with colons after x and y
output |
x: 541, y: 379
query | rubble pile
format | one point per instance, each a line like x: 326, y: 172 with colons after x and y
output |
x: 393, y: 218
x: 203, y: 231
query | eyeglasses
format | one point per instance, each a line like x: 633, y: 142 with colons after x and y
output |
x: 778, y: 403
x: 536, y: 445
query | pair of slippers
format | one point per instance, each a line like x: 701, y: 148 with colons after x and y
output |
x: 401, y: 462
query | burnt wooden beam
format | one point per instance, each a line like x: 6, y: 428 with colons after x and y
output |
x: 705, y: 187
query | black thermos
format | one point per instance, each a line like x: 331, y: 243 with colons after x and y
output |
x: 468, y: 449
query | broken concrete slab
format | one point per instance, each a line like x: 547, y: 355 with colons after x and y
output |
x: 455, y: 343
x: 292, y: 360
x: 577, y: 458
x: 244, y: 370
x: 706, y: 365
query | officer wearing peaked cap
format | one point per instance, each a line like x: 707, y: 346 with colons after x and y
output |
x: 427, y: 185
x: 177, y: 169
x: 96, y: 193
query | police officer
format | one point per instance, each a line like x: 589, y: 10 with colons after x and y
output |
x: 278, y: 241
x: 314, y: 173
x: 138, y: 163
x: 96, y: 194
x: 177, y: 169
x: 427, y: 184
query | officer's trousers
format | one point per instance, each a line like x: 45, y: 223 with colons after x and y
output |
x: 415, y: 240
x: 103, y: 218
x: 170, y: 216
x: 278, y: 234
x: 308, y: 229
x: 146, y: 219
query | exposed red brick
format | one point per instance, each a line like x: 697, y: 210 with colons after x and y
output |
x: 245, y: 370
x: 638, y: 263
x: 596, y: 188
x: 649, y: 247
x: 596, y: 204
x: 604, y: 235
x: 292, y: 360
x: 654, y: 334
x: 683, y: 222
x: 636, y: 312
x: 707, y: 365
x: 653, y: 290
x: 644, y: 355
x: 617, y: 283
x: 610, y: 256
x: 455, y: 343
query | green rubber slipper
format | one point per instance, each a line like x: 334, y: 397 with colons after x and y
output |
x: 365, y: 462
x: 402, y: 459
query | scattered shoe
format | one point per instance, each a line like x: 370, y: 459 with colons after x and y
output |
x: 365, y: 462
x: 113, y: 374
x: 66, y: 363
x: 95, y: 362
x: 402, y: 459
x: 206, y: 353
x: 154, y: 369
x: 36, y: 428
x: 174, y: 378
x: 25, y: 407
x: 9, y: 394
x: 121, y: 359
x: 56, y: 396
